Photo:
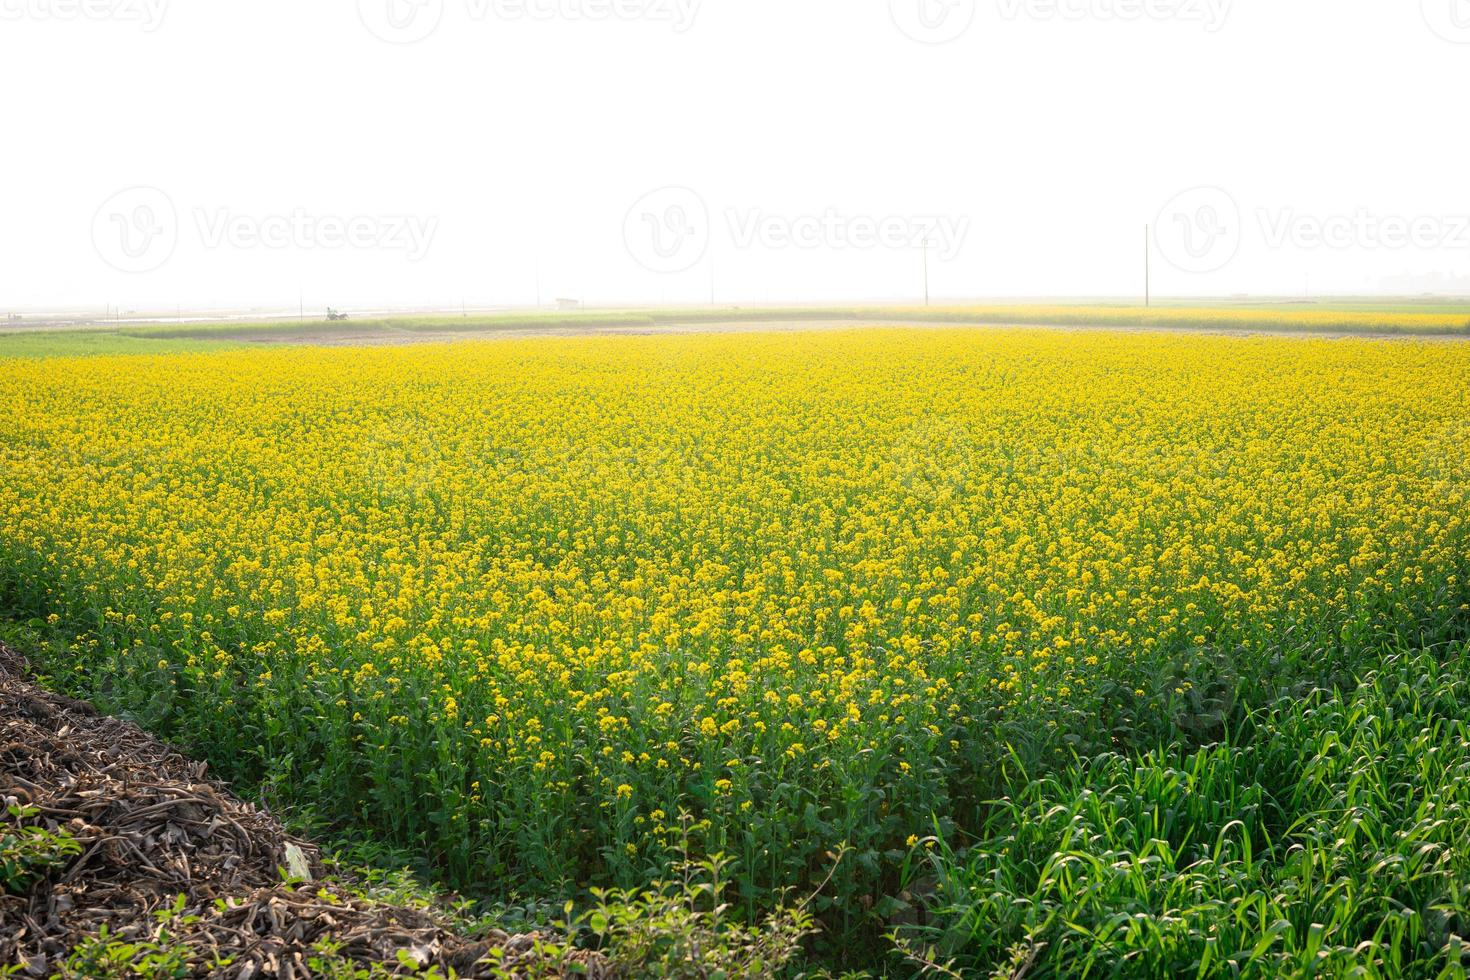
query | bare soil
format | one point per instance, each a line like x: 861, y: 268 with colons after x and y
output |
x: 152, y: 827
x: 380, y: 338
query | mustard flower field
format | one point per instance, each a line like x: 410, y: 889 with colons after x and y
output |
x: 514, y: 606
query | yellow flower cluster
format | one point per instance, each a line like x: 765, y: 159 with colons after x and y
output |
x: 513, y: 602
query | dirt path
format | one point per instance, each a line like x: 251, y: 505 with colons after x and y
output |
x: 379, y: 338
x: 158, y: 854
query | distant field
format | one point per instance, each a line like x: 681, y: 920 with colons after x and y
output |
x: 1399, y: 318
x: 422, y: 324
x: 82, y: 343
x: 1279, y: 318
x: 1348, y: 317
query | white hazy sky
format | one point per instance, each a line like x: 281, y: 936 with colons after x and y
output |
x: 225, y: 152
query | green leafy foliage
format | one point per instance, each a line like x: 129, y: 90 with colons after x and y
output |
x: 163, y: 955
x: 29, y: 851
x: 1327, y: 835
x: 684, y: 928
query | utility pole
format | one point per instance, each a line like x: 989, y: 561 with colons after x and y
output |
x: 926, y: 272
x: 1147, y: 285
